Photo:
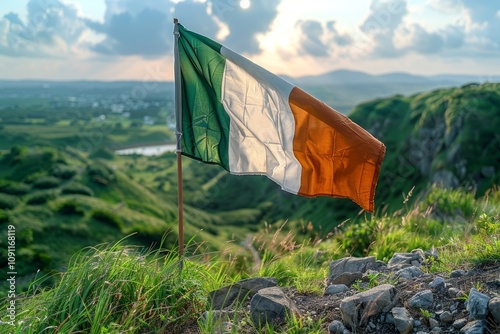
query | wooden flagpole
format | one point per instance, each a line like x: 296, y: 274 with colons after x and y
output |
x: 178, y: 134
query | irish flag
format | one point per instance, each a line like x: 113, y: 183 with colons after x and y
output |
x: 249, y: 121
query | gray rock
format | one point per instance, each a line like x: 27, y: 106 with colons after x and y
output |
x: 402, y: 260
x: 453, y: 292
x: 356, y: 310
x: 456, y: 293
x: 459, y: 323
x: 372, y: 326
x: 417, y: 323
x: 402, y: 320
x: 477, y: 305
x: 238, y: 292
x: 421, y: 332
x: 474, y: 327
x: 432, y: 254
x: 437, y: 284
x: 494, y: 308
x: 346, y: 331
x: 446, y: 316
x: 336, y: 288
x: 271, y: 306
x: 436, y: 330
x: 336, y: 327
x: 488, y: 171
x: 422, y: 299
x: 346, y: 278
x: 445, y: 178
x: 409, y: 272
x: 457, y: 273
x: 353, y: 265
x: 433, y: 323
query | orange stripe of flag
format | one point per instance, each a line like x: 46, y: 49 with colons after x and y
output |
x: 338, y: 157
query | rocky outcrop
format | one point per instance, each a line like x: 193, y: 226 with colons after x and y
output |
x: 347, y: 270
x: 402, y: 320
x: 271, y: 306
x: 414, y: 301
x: 238, y: 292
x: 357, y: 309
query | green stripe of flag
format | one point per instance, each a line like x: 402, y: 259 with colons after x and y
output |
x: 205, y: 123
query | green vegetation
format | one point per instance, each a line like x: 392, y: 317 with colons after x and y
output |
x: 437, y: 190
x: 446, y: 136
x: 122, y: 288
x: 108, y: 290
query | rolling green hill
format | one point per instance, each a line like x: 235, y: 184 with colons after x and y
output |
x: 61, y: 198
x: 447, y: 137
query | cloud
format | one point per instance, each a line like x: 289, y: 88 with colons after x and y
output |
x: 51, y: 29
x: 483, y: 23
x: 336, y: 37
x: 453, y: 36
x: 422, y: 41
x: 381, y: 25
x: 320, y: 39
x: 310, y: 33
x: 144, y: 28
x: 195, y: 16
x: 391, y: 32
x: 145, y: 33
x: 14, y: 19
x: 446, y: 6
x: 384, y: 16
x: 130, y: 27
x: 245, y: 24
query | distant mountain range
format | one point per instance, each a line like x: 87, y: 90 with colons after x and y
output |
x: 345, y: 89
x: 341, y: 89
x: 340, y: 77
x: 337, y: 77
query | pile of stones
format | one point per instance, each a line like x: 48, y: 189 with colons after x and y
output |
x: 370, y: 296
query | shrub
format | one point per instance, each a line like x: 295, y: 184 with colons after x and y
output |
x: 14, y: 188
x: 100, y: 173
x: 15, y: 155
x: 46, y: 182
x: 119, y: 290
x: 63, y: 171
x: 41, y: 197
x: 77, y: 188
x: 4, y: 217
x: 8, y: 201
x: 108, y: 217
x: 70, y: 207
x: 358, y: 236
x: 103, y: 153
x: 450, y: 203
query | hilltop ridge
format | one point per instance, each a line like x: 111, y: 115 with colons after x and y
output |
x: 431, y: 138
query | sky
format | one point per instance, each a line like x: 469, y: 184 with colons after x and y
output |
x: 132, y: 39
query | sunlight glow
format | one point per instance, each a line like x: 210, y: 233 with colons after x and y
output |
x: 245, y: 4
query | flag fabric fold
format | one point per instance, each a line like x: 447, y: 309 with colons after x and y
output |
x: 249, y: 121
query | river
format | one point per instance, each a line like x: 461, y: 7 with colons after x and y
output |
x: 148, y: 150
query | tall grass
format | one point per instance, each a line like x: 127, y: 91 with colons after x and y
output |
x: 124, y: 289
x: 117, y: 289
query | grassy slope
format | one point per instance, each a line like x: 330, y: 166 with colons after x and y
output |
x: 137, y: 194
x: 425, y: 135
x: 450, y: 130
x: 124, y: 289
x: 61, y: 201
